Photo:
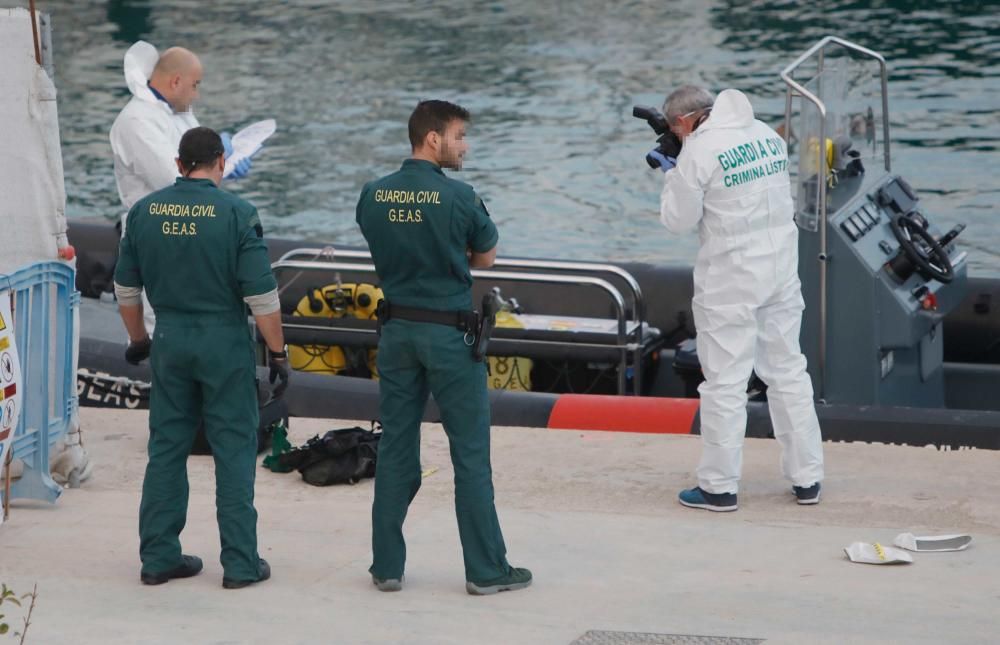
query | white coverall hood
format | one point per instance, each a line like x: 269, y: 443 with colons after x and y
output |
x: 140, y: 59
x: 147, y: 132
x: 731, y: 182
x: 732, y: 109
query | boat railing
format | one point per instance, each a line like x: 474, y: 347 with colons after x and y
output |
x: 591, y: 268
x: 630, y: 341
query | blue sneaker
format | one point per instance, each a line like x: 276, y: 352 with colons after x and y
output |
x: 807, y: 494
x: 697, y: 498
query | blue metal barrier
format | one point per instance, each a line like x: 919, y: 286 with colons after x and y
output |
x: 44, y: 298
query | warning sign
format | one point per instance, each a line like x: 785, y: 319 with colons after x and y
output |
x: 10, y: 377
x: 6, y: 367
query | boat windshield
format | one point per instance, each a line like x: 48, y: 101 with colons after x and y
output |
x: 851, y: 91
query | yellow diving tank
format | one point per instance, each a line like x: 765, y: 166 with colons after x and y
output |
x: 338, y: 300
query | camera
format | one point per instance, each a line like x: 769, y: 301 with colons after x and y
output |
x: 669, y: 145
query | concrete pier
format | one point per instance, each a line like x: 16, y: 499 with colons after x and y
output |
x: 594, y: 515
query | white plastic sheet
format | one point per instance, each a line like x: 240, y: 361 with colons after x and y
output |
x: 248, y: 141
x: 933, y: 543
x: 875, y: 553
x: 33, y: 207
x: 32, y: 192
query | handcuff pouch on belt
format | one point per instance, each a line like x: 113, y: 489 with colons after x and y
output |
x: 476, y: 326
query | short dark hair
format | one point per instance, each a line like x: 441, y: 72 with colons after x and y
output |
x: 199, y: 147
x: 433, y: 116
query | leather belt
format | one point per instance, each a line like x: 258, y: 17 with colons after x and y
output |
x: 466, y: 321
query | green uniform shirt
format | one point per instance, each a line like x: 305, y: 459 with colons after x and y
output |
x: 196, y: 249
x: 418, y: 224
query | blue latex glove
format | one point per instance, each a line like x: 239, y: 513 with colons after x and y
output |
x: 241, y: 170
x: 227, y: 144
x: 666, y: 163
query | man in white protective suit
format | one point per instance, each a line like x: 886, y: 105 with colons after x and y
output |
x: 146, y: 134
x: 731, y: 181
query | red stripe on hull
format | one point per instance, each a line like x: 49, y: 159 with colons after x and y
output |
x: 653, y: 415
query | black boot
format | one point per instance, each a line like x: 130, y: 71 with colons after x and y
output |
x: 190, y: 566
x: 264, y: 573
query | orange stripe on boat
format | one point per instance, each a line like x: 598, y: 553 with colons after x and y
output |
x: 623, y: 413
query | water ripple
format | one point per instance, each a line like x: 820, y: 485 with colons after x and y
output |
x: 551, y: 84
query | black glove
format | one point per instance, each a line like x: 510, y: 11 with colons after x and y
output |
x: 279, y: 372
x: 138, y: 350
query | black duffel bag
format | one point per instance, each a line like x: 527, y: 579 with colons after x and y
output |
x: 343, y: 456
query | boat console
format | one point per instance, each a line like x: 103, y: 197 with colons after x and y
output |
x: 878, y: 274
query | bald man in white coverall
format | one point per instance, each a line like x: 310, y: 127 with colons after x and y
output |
x: 731, y: 181
x: 148, y: 130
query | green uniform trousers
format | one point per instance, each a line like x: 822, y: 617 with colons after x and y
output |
x: 414, y: 359
x: 201, y: 370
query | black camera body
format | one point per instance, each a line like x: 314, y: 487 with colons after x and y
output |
x: 668, y: 144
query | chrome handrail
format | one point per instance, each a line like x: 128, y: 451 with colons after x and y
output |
x: 486, y: 274
x: 639, y: 303
x: 795, y: 88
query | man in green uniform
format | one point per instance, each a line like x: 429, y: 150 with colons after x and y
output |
x: 425, y: 231
x: 198, y: 252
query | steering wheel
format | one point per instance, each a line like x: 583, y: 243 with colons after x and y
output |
x: 920, y: 248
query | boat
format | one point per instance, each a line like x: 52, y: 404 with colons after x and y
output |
x: 903, y: 345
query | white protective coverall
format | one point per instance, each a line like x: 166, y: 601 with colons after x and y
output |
x: 144, y: 140
x: 732, y: 182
